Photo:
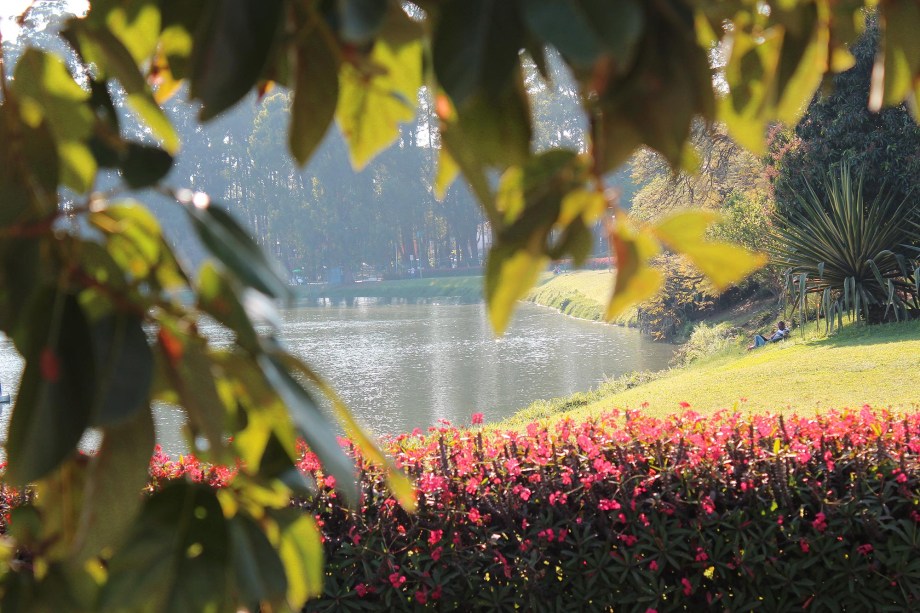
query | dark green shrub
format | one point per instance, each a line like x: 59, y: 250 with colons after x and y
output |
x: 853, y: 255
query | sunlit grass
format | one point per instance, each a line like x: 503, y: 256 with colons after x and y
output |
x: 875, y: 365
x: 583, y: 294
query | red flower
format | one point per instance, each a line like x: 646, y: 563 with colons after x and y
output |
x: 478, y: 418
x: 474, y: 515
x: 865, y: 549
x: 688, y: 587
x: 436, y: 553
x: 684, y: 405
x: 435, y: 537
x: 421, y: 596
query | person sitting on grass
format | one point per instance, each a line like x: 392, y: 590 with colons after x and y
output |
x: 761, y: 340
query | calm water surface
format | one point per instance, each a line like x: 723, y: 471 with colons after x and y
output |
x: 402, y: 366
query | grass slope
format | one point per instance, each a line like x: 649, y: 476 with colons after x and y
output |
x: 583, y: 294
x: 875, y: 365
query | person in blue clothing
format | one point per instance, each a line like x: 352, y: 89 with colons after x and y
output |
x: 760, y: 340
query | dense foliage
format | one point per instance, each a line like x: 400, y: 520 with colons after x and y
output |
x: 629, y: 512
x: 107, y: 315
x: 852, y: 253
x: 840, y: 127
x: 728, y: 512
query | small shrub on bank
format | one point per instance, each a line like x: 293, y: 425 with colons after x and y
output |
x: 705, y: 340
x: 635, y: 514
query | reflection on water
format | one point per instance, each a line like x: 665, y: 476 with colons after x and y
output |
x: 407, y: 366
x: 402, y: 366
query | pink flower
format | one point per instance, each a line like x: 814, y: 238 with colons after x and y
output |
x: 804, y: 546
x: 436, y: 553
x: 605, y: 504
x: 688, y: 587
x: 820, y: 522
x: 865, y: 549
x: 397, y: 580
x: 478, y: 418
x: 474, y: 515
x: 435, y: 537
x: 361, y: 589
x: 653, y: 565
x: 684, y: 405
x: 329, y: 481
x: 421, y: 596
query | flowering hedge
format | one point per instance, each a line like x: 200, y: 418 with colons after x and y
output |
x: 728, y: 512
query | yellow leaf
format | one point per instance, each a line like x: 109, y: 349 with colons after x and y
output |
x: 509, y: 275
x: 722, y: 263
x: 301, y: 553
x: 447, y: 172
x: 636, y: 281
x: 371, y: 107
x: 589, y: 205
x: 510, y: 197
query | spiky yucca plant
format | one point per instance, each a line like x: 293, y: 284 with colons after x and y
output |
x: 859, y: 258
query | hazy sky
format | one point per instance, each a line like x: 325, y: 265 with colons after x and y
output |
x: 9, y: 9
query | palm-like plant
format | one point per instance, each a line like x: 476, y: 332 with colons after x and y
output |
x: 857, y: 257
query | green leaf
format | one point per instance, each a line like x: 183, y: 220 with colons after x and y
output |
x: 721, y: 262
x: 399, y: 484
x: 135, y: 23
x: 314, y: 427
x: 657, y: 99
x: 218, y: 297
x: 475, y: 47
x: 133, y: 236
x: 232, y: 245
x: 124, y: 367
x: 497, y: 128
x: 116, y: 477
x: 117, y: 62
x: 510, y: 273
x: 259, y: 573
x: 193, y: 379
x: 901, y: 54
x: 176, y: 557
x: 56, y: 394
x: 583, y: 30
x: 636, y: 281
x: 375, y: 99
x: 46, y: 92
x: 302, y: 555
x: 144, y: 165
x: 360, y: 20
x: 232, y: 51
x: 316, y: 93
x: 29, y: 169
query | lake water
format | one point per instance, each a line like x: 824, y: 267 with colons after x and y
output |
x: 402, y: 366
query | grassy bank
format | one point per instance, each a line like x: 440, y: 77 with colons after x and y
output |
x: 582, y: 294
x: 874, y: 365
x: 462, y: 288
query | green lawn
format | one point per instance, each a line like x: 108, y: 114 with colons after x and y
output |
x: 876, y: 365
